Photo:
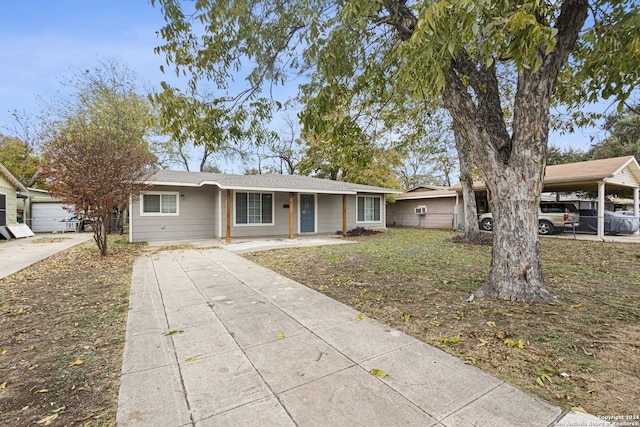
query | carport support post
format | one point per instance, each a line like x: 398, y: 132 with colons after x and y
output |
x: 636, y: 203
x: 228, y: 212
x: 344, y: 215
x: 601, y: 210
x: 291, y: 215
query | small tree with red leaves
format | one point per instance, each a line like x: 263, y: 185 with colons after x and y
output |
x: 95, y: 171
x: 97, y: 156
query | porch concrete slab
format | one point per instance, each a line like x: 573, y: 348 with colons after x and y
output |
x: 219, y: 383
x: 432, y: 379
x: 506, y: 405
x: 188, y: 316
x: 351, y: 397
x: 162, y: 403
x: 364, y: 339
x: 293, y: 361
x: 263, y: 412
x: 263, y: 328
x: 245, y: 351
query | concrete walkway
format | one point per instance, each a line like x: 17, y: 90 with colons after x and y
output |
x: 215, y: 340
x: 17, y: 254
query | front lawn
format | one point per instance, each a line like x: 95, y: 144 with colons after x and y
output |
x: 583, y: 351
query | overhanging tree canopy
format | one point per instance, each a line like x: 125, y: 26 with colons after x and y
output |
x: 468, y: 53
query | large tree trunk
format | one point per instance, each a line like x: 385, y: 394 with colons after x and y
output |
x: 516, y: 269
x: 513, y: 165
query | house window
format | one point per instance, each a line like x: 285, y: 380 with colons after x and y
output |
x: 3, y: 209
x: 254, y: 208
x: 159, y: 204
x: 369, y: 208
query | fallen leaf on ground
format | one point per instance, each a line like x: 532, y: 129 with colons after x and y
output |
x: 77, y: 362
x: 281, y: 336
x: 378, y: 373
x: 359, y: 316
x: 48, y: 419
x: 3, y: 385
x: 511, y: 343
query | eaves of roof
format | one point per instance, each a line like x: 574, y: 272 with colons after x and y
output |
x: 12, y: 179
x: 276, y: 183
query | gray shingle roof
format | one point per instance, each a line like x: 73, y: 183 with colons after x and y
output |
x: 264, y: 182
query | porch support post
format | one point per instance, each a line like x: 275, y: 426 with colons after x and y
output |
x: 291, y: 199
x: 228, y: 214
x: 601, y: 210
x: 636, y: 203
x: 344, y: 215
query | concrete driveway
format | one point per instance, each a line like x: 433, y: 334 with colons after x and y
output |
x: 17, y: 254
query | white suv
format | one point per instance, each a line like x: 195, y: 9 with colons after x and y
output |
x: 552, y: 217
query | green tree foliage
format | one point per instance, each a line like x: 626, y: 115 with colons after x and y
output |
x: 623, y: 136
x: 455, y: 52
x: 338, y: 147
x: 559, y: 156
x: 98, y: 155
x: 19, y: 158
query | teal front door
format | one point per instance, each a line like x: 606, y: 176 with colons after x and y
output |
x: 307, y: 213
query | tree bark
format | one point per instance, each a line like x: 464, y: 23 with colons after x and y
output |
x: 512, y: 166
x: 466, y: 180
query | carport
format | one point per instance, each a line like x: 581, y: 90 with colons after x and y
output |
x: 605, y: 176
x: 601, y: 176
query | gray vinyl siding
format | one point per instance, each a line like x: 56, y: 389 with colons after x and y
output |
x: 439, y: 213
x: 202, y: 215
x: 280, y: 225
x: 330, y: 212
x: 195, y: 219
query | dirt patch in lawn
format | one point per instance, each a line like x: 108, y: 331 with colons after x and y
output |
x: 583, y: 351
x: 63, y: 326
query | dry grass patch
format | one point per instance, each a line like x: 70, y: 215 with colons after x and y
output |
x: 583, y: 351
x: 63, y: 324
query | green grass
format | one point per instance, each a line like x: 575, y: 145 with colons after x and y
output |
x: 418, y: 281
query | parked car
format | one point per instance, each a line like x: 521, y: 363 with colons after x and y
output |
x: 614, y: 222
x: 553, y: 217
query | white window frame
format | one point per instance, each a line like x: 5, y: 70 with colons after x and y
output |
x: 254, y: 224
x: 365, y: 221
x: 160, y: 193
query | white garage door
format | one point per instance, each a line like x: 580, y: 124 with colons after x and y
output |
x: 48, y: 217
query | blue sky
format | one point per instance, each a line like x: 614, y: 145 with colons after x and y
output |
x: 41, y: 42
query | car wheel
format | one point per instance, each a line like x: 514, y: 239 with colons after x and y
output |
x: 545, y: 228
x: 486, y: 224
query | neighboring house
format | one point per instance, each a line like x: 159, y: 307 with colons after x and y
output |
x: 426, y: 206
x: 179, y: 205
x: 10, y: 189
x: 44, y: 213
x: 444, y: 208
